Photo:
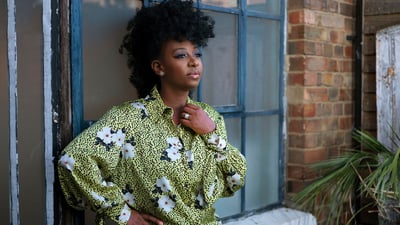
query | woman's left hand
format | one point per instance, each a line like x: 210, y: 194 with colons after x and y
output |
x: 196, y: 118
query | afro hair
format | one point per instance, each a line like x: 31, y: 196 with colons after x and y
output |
x: 152, y: 27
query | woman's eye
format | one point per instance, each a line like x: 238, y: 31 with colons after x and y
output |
x: 181, y: 56
x: 198, y: 55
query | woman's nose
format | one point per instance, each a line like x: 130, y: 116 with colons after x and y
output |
x: 194, y: 61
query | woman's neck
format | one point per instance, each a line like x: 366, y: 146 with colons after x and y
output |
x: 175, y: 100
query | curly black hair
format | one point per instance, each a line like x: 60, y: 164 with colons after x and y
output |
x: 152, y: 27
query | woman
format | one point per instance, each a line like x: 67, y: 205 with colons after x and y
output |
x: 161, y: 159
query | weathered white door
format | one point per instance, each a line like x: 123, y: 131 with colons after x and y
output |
x: 388, y: 83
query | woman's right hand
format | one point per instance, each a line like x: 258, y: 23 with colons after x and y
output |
x: 137, y: 218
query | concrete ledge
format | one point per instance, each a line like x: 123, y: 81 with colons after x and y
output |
x: 281, y: 216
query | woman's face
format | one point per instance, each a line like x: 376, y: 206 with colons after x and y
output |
x: 181, y: 65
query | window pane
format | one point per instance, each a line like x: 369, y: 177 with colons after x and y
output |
x: 231, y: 206
x: 105, y: 71
x: 262, y: 69
x: 267, y: 6
x: 221, y: 3
x: 262, y: 153
x: 219, y: 82
x: 30, y: 112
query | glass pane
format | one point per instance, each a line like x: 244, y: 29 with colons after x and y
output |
x: 105, y: 71
x: 267, y: 6
x: 262, y: 69
x: 262, y: 153
x: 231, y: 206
x: 4, y: 112
x: 30, y: 112
x: 219, y: 82
x: 221, y: 3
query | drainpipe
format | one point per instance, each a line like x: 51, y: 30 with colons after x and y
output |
x: 357, y: 45
x: 357, y: 49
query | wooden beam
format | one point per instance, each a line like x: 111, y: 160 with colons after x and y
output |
x: 13, y: 116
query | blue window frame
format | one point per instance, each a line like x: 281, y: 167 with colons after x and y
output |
x: 248, y: 56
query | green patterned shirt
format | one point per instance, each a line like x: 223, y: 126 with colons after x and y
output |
x: 135, y: 157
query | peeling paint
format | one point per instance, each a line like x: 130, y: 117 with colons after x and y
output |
x: 13, y: 101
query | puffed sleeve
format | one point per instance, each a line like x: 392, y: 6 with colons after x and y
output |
x: 86, y: 166
x: 230, y: 162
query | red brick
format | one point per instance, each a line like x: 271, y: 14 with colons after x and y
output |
x: 338, y: 109
x: 297, y: 63
x: 335, y: 36
x: 313, y: 156
x: 296, y: 125
x: 295, y: 4
x: 338, y: 51
x: 347, y: 9
x: 321, y: 124
x: 295, y: 186
x: 348, y: 51
x: 327, y: 79
x: 334, y: 66
x: 300, y: 156
x: 296, y: 32
x: 346, y: 123
x: 348, y: 108
x: 299, y: 172
x: 324, y: 109
x: 309, y: 140
x: 296, y: 17
x: 345, y: 95
x: 307, y: 32
x: 338, y: 80
x: 316, y: 94
x: 316, y: 64
x: 310, y: 79
x: 302, y: 110
x: 348, y: 66
x: 295, y: 47
x: 333, y: 94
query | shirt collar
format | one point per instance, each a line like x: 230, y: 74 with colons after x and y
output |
x: 155, y: 104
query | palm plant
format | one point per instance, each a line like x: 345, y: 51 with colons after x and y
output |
x: 371, y: 171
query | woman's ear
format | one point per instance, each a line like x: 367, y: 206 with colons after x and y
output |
x: 157, y: 67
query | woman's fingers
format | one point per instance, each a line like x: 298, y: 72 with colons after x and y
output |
x: 152, y: 219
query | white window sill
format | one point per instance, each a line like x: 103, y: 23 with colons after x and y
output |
x: 281, y: 216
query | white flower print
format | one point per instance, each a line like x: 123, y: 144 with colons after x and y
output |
x: 174, y: 142
x: 107, y: 183
x: 211, y: 189
x: 164, y: 184
x: 173, y: 154
x: 142, y: 107
x: 189, y: 156
x: 67, y: 162
x: 125, y: 214
x: 217, y: 141
x: 129, y: 198
x: 200, y: 200
x: 118, y: 138
x: 128, y: 151
x: 233, y: 180
x: 221, y: 143
x: 101, y: 199
x: 105, y: 135
x: 138, y: 105
x: 166, y: 203
x: 219, y: 157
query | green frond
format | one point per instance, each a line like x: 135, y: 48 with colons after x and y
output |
x: 373, y: 172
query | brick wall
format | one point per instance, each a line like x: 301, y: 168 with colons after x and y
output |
x: 319, y: 84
